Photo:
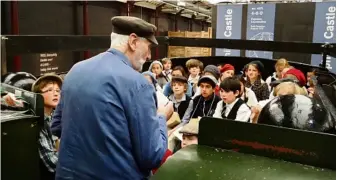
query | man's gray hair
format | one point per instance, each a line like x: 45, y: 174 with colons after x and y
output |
x: 118, y: 40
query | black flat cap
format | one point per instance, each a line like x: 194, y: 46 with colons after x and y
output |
x: 179, y: 79
x: 208, y: 78
x: 277, y: 82
x: 127, y: 25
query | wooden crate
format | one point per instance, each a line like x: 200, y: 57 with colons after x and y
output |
x: 176, y: 34
x: 181, y: 51
x: 201, y: 34
x: 176, y: 51
x: 197, y: 51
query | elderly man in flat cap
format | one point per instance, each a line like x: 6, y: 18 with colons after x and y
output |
x: 111, y: 127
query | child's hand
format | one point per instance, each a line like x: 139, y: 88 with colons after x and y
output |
x: 311, y: 92
x: 57, y: 144
x: 255, y: 113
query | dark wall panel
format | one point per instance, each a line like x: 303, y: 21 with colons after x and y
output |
x: 100, y: 19
x: 165, y: 22
x: 288, y: 28
x: 197, y: 26
x: 183, y: 24
x: 142, y: 13
x: 39, y: 17
x: 66, y: 18
x: 5, y: 17
x: 46, y: 18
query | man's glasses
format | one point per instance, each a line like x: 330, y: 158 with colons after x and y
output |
x: 50, y: 91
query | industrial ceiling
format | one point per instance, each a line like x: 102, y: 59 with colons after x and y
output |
x: 199, y: 9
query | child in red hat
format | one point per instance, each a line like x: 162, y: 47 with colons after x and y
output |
x: 295, y: 73
x: 227, y: 70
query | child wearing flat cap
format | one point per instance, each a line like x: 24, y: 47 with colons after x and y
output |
x: 255, y: 82
x: 190, y: 133
x: 49, y: 86
x: 210, y: 70
x: 179, y: 98
x: 205, y: 103
x: 177, y: 71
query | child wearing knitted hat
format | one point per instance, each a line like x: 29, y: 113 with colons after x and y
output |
x: 210, y: 70
x: 157, y: 68
x: 227, y: 70
x: 205, y: 103
x: 255, y: 82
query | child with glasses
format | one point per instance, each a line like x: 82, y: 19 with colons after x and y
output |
x: 49, y: 87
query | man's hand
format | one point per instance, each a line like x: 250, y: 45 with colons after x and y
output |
x: 166, y: 110
x: 170, y: 132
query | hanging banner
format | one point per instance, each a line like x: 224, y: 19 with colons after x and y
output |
x: 229, y: 19
x: 260, y: 26
x: 325, y: 31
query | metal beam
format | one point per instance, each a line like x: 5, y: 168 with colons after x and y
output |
x: 160, y: 6
x: 3, y: 56
x: 191, y: 7
x: 179, y: 12
x: 16, y: 45
x: 275, y: 46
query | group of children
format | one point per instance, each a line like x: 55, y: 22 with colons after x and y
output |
x: 215, y: 91
x: 211, y: 91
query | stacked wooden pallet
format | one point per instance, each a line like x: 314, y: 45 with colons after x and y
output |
x: 182, y: 51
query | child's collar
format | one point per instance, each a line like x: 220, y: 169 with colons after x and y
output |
x: 174, y: 100
x: 232, y: 103
x: 210, y: 97
x: 197, y: 76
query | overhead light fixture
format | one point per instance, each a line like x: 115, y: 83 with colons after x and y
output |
x: 181, y: 3
x: 213, y: 1
x: 123, y: 1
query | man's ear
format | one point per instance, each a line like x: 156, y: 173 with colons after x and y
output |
x: 132, y: 41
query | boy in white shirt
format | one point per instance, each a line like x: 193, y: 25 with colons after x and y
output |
x: 232, y: 106
x: 167, y: 72
x: 195, y: 68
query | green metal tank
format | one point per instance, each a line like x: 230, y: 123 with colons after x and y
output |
x: 244, y: 151
x: 202, y: 162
